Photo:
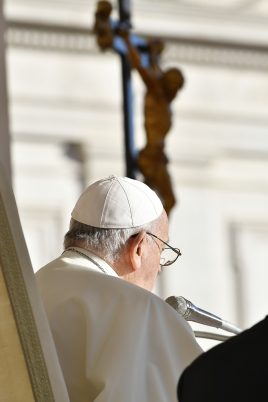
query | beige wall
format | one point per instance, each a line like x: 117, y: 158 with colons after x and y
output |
x: 4, y: 129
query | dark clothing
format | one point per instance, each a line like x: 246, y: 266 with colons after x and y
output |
x: 233, y: 371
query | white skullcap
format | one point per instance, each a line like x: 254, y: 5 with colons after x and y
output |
x: 117, y: 202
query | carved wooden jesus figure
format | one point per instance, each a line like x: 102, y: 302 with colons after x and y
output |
x: 161, y: 89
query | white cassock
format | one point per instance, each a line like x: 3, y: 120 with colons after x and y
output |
x: 116, y: 342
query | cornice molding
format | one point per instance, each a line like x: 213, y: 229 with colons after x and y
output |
x: 217, y: 53
x: 52, y: 37
x: 240, y: 12
x: 194, y: 50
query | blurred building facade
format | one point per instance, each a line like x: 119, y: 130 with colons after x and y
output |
x: 66, y: 130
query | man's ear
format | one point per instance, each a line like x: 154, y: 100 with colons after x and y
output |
x: 136, y: 249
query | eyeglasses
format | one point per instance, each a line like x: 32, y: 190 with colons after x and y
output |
x: 169, y: 254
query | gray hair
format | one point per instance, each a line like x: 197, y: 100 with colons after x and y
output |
x: 107, y: 243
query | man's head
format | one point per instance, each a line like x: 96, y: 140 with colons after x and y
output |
x: 112, y: 219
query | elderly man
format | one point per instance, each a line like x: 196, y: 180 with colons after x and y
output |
x: 116, y: 341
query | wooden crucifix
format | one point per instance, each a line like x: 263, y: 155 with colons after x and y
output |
x: 161, y: 89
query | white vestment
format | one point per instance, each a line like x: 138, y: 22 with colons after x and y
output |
x: 116, y: 342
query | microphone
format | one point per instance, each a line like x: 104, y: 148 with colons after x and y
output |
x: 192, y: 313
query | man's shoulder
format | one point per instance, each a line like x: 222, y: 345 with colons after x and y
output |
x: 52, y: 263
x: 64, y: 270
x: 82, y: 281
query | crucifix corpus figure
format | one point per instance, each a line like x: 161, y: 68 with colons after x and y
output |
x: 161, y: 89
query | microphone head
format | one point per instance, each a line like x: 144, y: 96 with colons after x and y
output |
x: 179, y: 304
x: 192, y: 313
